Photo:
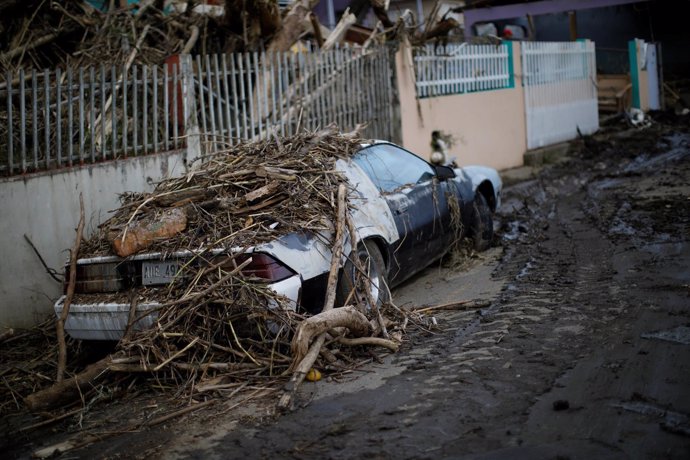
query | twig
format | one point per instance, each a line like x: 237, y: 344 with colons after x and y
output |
x: 189, y: 345
x: 34, y: 44
x: 128, y: 64
x: 60, y: 325
x: 465, y: 304
x: 377, y: 341
x: 194, y: 36
x: 51, y: 271
x: 50, y: 420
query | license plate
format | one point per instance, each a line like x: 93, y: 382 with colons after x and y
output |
x: 158, y: 272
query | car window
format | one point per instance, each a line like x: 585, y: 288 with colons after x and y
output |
x: 391, y: 167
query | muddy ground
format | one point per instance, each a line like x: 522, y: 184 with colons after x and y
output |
x: 583, y: 352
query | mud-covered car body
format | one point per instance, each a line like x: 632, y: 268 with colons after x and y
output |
x: 399, y: 203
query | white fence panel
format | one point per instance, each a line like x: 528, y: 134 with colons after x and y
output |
x: 560, y: 92
x: 462, y: 68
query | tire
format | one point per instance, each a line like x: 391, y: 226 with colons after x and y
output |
x: 351, y: 289
x: 482, y: 225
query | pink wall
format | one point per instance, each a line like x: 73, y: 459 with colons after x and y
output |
x: 488, y: 126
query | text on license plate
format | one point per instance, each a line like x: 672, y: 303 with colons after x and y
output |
x: 158, y: 272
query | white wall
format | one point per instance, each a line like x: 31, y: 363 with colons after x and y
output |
x: 45, y: 207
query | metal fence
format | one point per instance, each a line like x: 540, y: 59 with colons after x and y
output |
x: 559, y: 80
x: 53, y: 119
x: 249, y: 96
x: 58, y: 118
x: 462, y: 68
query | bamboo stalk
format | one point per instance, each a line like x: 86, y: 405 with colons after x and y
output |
x: 71, y: 284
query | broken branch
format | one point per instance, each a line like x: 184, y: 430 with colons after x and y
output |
x: 71, y: 284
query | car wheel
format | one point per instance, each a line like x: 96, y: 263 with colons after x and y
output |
x: 351, y: 288
x: 482, y: 225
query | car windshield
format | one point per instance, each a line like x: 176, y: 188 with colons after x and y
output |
x: 391, y: 167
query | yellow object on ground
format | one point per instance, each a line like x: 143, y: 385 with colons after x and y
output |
x: 313, y: 375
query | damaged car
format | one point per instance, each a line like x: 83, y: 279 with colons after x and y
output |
x: 407, y: 214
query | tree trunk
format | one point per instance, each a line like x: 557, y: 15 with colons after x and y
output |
x: 293, y: 25
x: 69, y: 389
x: 256, y: 21
x: 381, y: 11
x: 348, y: 317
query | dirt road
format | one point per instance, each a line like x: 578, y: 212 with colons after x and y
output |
x: 583, y: 351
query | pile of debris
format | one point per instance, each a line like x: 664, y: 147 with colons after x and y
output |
x: 217, y: 327
x: 39, y: 34
x: 43, y: 34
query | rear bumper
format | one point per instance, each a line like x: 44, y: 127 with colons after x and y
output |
x: 103, y: 321
x: 108, y: 321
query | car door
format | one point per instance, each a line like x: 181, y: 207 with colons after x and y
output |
x: 417, y: 201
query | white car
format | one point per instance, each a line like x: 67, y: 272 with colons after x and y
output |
x: 401, y: 214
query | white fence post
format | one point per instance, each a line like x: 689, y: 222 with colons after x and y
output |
x: 191, y: 123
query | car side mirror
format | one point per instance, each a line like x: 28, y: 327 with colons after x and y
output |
x: 444, y: 172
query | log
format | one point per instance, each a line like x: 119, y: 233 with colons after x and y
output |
x: 293, y: 25
x: 376, y: 341
x: 145, y: 232
x: 288, y: 175
x: 71, y: 284
x: 262, y: 192
x: 68, y: 389
x: 442, y: 29
x: 349, y: 317
x: 346, y: 21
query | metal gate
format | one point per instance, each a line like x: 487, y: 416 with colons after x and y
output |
x: 560, y: 91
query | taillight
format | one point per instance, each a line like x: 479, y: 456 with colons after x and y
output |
x: 265, y: 267
x: 97, y: 277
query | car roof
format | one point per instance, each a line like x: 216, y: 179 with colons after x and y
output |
x: 374, y: 142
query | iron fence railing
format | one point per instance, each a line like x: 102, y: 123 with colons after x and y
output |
x: 61, y: 118
x: 462, y: 68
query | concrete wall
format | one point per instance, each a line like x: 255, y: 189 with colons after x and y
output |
x: 45, y: 207
x: 488, y: 127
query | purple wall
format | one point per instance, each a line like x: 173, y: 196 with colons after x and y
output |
x: 520, y: 10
